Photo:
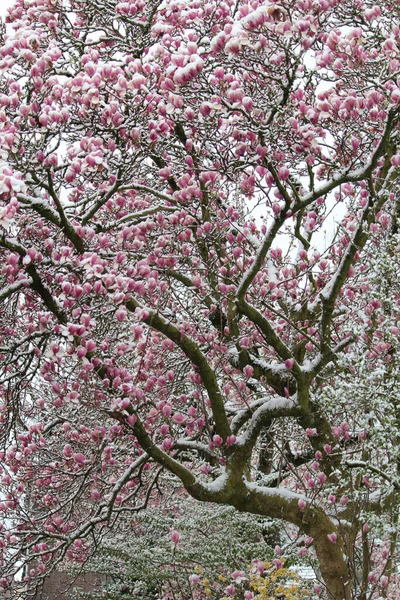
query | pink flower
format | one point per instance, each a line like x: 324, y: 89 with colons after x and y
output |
x: 124, y: 403
x: 260, y: 567
x: 178, y: 418
x: 137, y: 81
x: 236, y: 252
x: 317, y: 588
x: 239, y: 576
x: 283, y: 173
x: 217, y: 440
x: 276, y: 209
x: 68, y: 452
x: 166, y: 411
x: 167, y: 444
x: 302, y: 504
x: 332, y: 537
x: 175, y: 537
x: 121, y: 314
x: 248, y: 371
x: 79, y: 458
x: 308, y: 540
x: 384, y: 581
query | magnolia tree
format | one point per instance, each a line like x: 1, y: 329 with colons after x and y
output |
x: 199, y: 271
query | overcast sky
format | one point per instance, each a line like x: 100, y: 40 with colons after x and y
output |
x: 4, y: 4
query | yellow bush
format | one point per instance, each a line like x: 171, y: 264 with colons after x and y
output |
x: 277, y: 581
x: 273, y: 582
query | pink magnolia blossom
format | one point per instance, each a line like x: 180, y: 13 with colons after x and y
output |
x: 175, y: 537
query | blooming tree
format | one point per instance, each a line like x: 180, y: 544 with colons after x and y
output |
x: 199, y: 261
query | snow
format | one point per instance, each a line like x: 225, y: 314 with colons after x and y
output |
x: 304, y: 571
x: 233, y: 355
x: 13, y: 287
x: 267, y: 366
x: 251, y: 408
x: 259, y: 408
x: 275, y: 404
x: 272, y: 271
x: 272, y: 405
x: 40, y: 204
x: 218, y: 484
x: 275, y: 492
x: 310, y: 365
x: 193, y: 445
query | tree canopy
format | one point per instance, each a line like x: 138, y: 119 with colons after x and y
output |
x: 199, y: 272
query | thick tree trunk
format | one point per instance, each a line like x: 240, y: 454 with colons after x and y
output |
x: 283, y: 504
x: 334, y: 569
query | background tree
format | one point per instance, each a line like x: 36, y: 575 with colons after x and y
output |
x: 181, y: 551
x: 168, y: 298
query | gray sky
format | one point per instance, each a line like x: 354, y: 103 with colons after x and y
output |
x: 4, y: 4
